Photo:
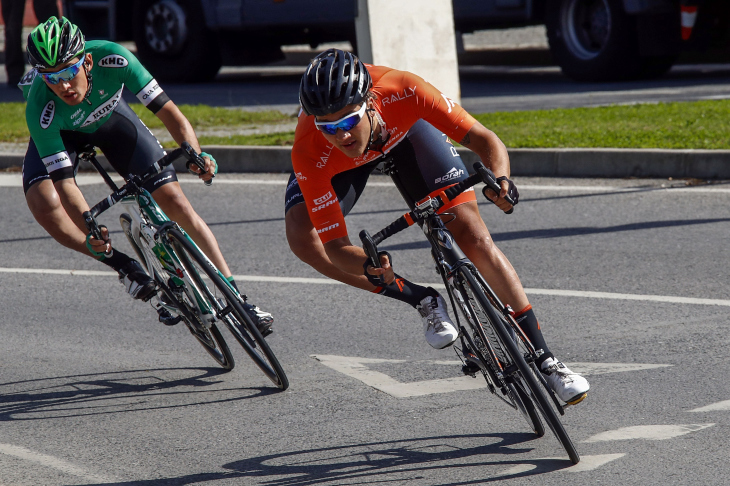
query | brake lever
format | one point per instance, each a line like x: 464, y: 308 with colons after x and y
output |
x: 371, y: 250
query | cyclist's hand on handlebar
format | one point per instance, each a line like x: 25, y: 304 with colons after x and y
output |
x: 100, y: 247
x: 507, y: 188
x: 211, y: 167
x: 386, y: 272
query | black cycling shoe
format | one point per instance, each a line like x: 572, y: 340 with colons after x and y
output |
x: 262, y: 319
x: 138, y: 284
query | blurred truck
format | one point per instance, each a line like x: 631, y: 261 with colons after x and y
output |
x: 591, y: 40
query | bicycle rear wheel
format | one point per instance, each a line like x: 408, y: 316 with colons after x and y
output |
x: 229, y: 308
x: 512, y: 355
x: 210, y: 338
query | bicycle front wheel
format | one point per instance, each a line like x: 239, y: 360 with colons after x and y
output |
x: 495, y: 330
x: 228, y: 306
x: 210, y: 338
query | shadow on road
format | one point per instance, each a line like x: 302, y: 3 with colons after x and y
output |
x: 575, y: 231
x: 393, y: 462
x: 116, y: 392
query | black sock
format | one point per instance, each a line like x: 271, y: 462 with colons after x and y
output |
x: 406, y: 291
x: 233, y: 283
x: 531, y: 327
x: 117, y: 260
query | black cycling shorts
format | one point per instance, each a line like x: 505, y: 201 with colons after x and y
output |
x: 425, y: 162
x: 129, y: 146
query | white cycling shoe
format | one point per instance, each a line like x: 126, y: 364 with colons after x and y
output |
x: 440, y: 331
x: 568, y: 385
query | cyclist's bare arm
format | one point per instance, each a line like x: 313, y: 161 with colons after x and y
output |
x: 487, y: 145
x: 182, y: 131
x: 349, y: 258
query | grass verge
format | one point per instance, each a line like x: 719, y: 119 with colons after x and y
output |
x: 680, y: 125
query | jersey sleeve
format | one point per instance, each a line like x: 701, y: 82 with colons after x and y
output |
x: 319, y: 196
x: 45, y: 131
x: 435, y: 107
x: 134, y: 75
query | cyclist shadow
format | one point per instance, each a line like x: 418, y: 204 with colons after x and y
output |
x: 410, y: 460
x: 116, y: 392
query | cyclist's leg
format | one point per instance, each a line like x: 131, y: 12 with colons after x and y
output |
x: 57, y: 205
x: 130, y: 147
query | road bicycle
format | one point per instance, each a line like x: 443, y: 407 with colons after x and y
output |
x: 191, y: 289
x: 491, y: 341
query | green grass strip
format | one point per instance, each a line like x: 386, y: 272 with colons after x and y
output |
x: 680, y: 125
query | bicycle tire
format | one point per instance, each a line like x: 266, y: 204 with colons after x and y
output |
x: 126, y: 221
x: 523, y: 373
x: 210, y: 338
x: 237, y: 319
x: 516, y: 397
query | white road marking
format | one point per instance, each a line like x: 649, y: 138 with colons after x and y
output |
x: 15, y: 180
x: 589, y: 463
x: 647, y: 432
x: 588, y: 369
x: 715, y: 407
x: 52, y: 462
x: 357, y: 368
x: 326, y: 281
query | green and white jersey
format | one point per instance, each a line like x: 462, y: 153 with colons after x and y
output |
x: 47, y: 115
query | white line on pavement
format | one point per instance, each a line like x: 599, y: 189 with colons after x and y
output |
x: 647, y: 432
x: 14, y: 180
x: 358, y: 368
x: 52, y: 462
x: 325, y: 281
x: 715, y: 407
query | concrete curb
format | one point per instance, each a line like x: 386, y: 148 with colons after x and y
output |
x: 589, y: 162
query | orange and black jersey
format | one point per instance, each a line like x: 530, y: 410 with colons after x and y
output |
x: 402, y: 99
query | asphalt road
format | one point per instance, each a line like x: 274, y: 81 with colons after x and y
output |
x: 93, y: 391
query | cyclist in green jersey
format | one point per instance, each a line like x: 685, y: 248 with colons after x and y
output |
x: 74, y: 100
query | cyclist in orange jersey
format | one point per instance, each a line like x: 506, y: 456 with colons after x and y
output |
x: 354, y: 117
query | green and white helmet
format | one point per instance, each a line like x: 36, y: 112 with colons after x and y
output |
x: 54, y: 42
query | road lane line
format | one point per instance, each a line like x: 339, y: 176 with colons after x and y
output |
x: 357, y: 368
x: 326, y: 281
x: 52, y: 462
x: 647, y: 432
x: 14, y: 180
x: 714, y: 407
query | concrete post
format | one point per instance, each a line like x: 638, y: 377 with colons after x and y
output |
x: 411, y: 35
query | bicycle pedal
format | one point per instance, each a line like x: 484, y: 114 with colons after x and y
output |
x: 164, y: 316
x: 577, y: 400
x: 470, y: 368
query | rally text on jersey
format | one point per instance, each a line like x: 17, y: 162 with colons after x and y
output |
x: 407, y: 93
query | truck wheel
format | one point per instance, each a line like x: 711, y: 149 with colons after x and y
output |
x: 173, y: 42
x: 593, y: 40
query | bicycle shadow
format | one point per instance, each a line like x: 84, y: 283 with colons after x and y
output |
x: 105, y: 393
x: 383, y: 462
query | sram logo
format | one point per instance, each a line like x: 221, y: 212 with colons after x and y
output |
x: 113, y: 61
x: 450, y: 175
x: 327, y: 228
x: 324, y: 198
x: 322, y: 206
x: 47, y: 114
